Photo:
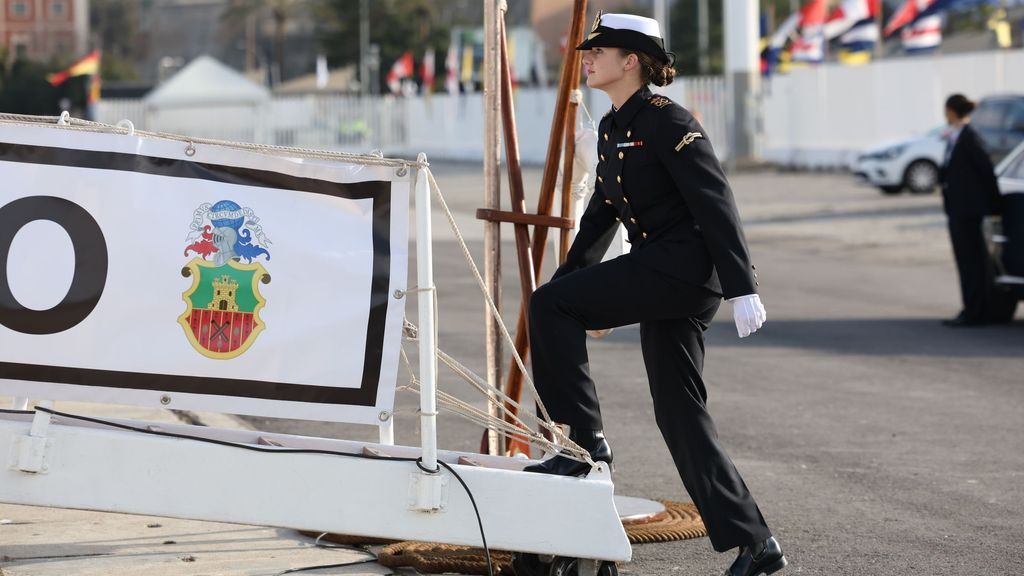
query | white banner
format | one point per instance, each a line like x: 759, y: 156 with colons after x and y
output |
x: 145, y: 271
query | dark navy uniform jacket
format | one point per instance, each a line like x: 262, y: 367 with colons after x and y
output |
x: 969, y: 185
x: 659, y: 176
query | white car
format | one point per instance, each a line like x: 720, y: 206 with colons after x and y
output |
x: 912, y: 164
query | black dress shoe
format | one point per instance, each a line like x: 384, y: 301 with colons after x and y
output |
x: 761, y: 558
x: 592, y: 441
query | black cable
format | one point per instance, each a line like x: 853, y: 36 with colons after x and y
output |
x: 323, y: 566
x: 487, y: 551
x: 253, y: 447
x: 279, y: 450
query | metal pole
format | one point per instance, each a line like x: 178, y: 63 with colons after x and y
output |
x: 493, y: 10
x: 881, y: 37
x: 703, y: 38
x: 661, y: 15
x: 425, y: 302
x: 364, y: 47
x: 742, y: 75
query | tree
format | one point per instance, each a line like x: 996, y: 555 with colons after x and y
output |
x: 278, y: 11
x: 115, y: 29
x: 396, y: 26
x: 24, y: 89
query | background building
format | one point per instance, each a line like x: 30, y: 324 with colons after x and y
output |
x: 43, y: 29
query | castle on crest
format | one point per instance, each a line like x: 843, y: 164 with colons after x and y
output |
x: 224, y: 291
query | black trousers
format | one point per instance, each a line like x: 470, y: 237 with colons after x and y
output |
x: 982, y: 300
x: 673, y: 316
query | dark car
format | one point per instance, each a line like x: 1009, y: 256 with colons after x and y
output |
x: 1000, y: 122
x: 1006, y: 234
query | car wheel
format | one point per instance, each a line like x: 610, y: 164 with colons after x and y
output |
x: 921, y: 177
x: 890, y: 190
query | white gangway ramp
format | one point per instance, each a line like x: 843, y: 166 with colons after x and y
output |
x: 164, y: 271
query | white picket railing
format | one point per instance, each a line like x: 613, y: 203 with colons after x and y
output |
x: 443, y: 126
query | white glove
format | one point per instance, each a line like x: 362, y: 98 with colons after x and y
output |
x: 749, y: 314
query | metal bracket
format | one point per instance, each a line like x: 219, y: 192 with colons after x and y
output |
x: 31, y: 453
x: 587, y: 567
x: 428, y: 492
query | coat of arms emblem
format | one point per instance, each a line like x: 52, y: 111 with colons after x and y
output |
x: 221, y: 318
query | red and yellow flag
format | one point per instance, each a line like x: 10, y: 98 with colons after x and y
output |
x: 90, y: 65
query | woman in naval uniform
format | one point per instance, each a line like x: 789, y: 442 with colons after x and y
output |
x: 660, y: 178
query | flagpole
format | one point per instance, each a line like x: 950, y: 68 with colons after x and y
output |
x: 493, y: 9
x: 881, y: 36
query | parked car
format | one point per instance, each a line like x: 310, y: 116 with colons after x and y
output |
x: 912, y: 164
x: 999, y: 121
x: 1006, y: 234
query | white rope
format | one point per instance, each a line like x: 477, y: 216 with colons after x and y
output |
x: 477, y: 416
x: 562, y: 438
x: 483, y: 289
x: 78, y: 124
x: 518, y: 427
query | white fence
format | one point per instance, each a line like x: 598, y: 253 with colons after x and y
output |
x: 445, y: 127
x: 824, y: 116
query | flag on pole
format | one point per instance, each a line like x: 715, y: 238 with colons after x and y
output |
x: 848, y: 14
x: 922, y: 36
x: 1002, y: 29
x: 905, y: 15
x: 467, y: 67
x: 856, y: 45
x: 785, y: 30
x: 427, y: 71
x: 451, y: 63
x: 89, y: 65
x: 913, y: 10
x: 777, y: 42
x: 810, y: 46
x: 400, y: 70
x: 323, y: 75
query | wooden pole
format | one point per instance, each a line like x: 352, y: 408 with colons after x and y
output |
x: 569, y: 80
x: 492, y: 193
x: 568, y: 161
x: 527, y: 280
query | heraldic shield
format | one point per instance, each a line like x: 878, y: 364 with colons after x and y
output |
x: 222, y: 315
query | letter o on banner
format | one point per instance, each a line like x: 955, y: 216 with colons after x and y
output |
x: 90, y: 264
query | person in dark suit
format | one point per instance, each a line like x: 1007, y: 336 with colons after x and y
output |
x: 658, y: 175
x: 969, y: 193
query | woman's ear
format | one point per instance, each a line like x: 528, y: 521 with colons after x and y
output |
x: 632, y: 61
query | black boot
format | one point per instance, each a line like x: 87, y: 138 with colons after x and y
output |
x: 761, y: 558
x: 592, y: 441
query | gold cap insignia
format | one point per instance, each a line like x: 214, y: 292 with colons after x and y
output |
x: 688, y: 139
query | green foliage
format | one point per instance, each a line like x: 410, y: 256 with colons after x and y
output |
x: 24, y: 89
x: 395, y: 25
x: 115, y: 68
x: 115, y: 26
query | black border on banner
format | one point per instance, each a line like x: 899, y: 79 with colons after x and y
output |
x: 377, y: 190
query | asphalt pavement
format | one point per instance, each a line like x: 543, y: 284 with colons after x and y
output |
x: 876, y: 440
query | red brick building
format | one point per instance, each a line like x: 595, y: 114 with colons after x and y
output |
x: 40, y: 29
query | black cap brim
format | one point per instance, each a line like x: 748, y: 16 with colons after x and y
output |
x: 603, y: 37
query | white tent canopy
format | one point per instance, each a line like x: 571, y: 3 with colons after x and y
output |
x: 206, y: 80
x: 208, y: 99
